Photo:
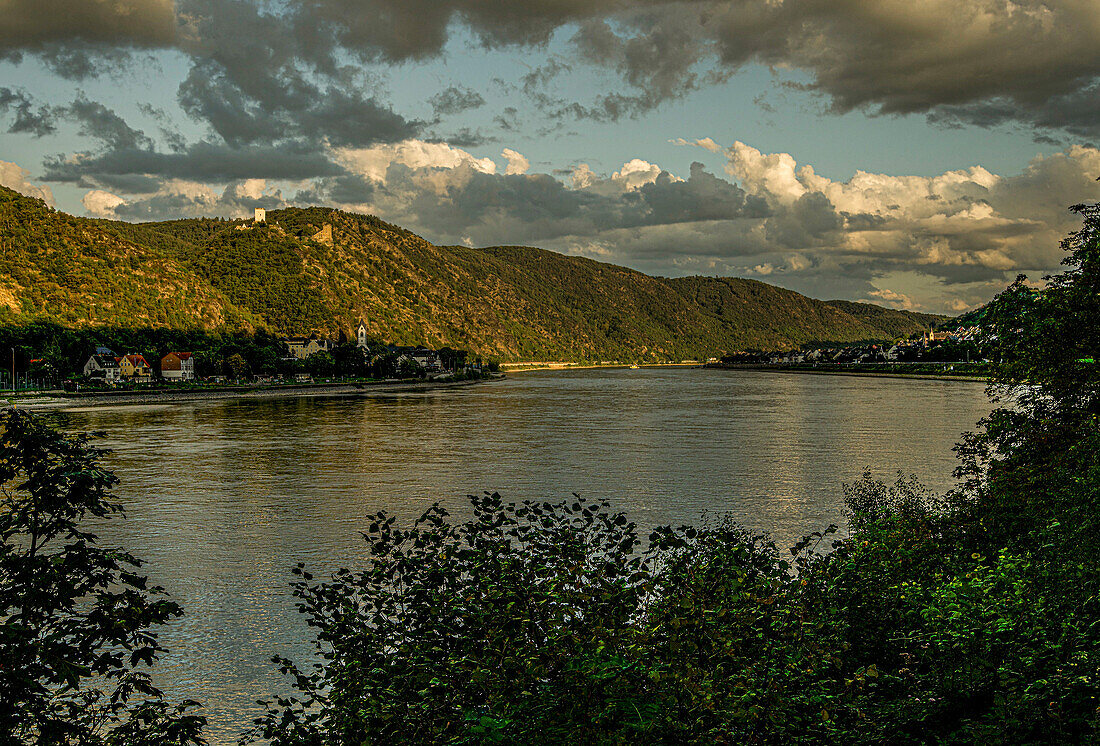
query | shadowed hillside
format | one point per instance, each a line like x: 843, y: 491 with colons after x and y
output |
x: 322, y: 270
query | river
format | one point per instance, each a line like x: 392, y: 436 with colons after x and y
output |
x: 224, y: 497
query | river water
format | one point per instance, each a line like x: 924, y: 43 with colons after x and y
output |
x: 224, y: 497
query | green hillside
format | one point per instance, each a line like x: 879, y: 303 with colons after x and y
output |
x: 898, y: 323
x: 322, y: 270
x: 75, y: 272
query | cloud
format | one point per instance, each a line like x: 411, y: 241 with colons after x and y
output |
x: 31, y: 25
x: 910, y: 57
x: 14, y: 176
x: 30, y: 117
x: 103, y: 124
x: 450, y: 194
x: 517, y: 162
x: 979, y: 62
x: 986, y: 62
x: 264, y: 71
x: 894, y: 299
x: 656, y: 53
x: 101, y: 204
x: 912, y: 241
x: 257, y: 104
x: 455, y: 100
x: 929, y: 243
x: 180, y: 199
x: 374, y: 163
x: 201, y: 161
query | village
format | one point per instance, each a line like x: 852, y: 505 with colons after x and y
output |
x: 304, y: 360
x: 963, y: 345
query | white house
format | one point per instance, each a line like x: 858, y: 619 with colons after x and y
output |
x: 103, y: 366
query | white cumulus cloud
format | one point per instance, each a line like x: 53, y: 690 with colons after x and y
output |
x: 517, y: 162
x: 14, y: 176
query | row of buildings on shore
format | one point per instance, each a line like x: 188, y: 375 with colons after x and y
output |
x: 424, y: 358
x: 107, y: 367
x: 304, y: 347
x: 906, y: 350
x: 104, y: 365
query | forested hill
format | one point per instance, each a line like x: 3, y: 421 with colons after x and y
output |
x: 322, y: 270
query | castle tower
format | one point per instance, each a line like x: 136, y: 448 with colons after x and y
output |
x: 261, y: 215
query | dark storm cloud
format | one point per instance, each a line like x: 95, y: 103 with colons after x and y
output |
x: 263, y: 72
x: 32, y: 25
x: 963, y: 234
x: 401, y: 30
x: 703, y: 196
x: 811, y: 218
x: 201, y: 161
x: 289, y: 105
x: 103, y: 124
x: 124, y: 183
x: 350, y: 189
x: 81, y: 63
x: 984, y: 62
x: 30, y: 117
x: 657, y: 57
x: 917, y: 57
x: 277, y: 81
x: 538, y: 207
x: 1076, y: 113
x: 455, y: 100
x: 463, y: 138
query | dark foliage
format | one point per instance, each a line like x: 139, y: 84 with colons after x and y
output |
x: 971, y: 618
x: 66, y: 350
x: 77, y: 620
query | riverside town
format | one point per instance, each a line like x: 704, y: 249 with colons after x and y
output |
x: 257, y: 359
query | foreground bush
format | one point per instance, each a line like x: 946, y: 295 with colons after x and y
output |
x: 76, y: 619
x: 969, y: 619
x: 548, y: 624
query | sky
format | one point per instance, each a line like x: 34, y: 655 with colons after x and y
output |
x: 918, y: 155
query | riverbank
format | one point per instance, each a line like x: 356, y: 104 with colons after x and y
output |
x: 132, y: 398
x: 528, y: 367
x: 859, y: 372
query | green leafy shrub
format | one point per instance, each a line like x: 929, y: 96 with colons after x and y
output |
x: 77, y: 620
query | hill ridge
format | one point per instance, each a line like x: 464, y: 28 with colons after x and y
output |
x: 507, y: 302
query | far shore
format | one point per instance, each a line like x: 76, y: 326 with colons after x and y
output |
x: 528, y: 367
x: 59, y: 402
x: 919, y: 376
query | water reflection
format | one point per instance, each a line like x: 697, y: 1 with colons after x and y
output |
x: 224, y: 497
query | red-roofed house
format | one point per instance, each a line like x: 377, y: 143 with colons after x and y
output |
x: 135, y: 368
x: 178, y: 366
